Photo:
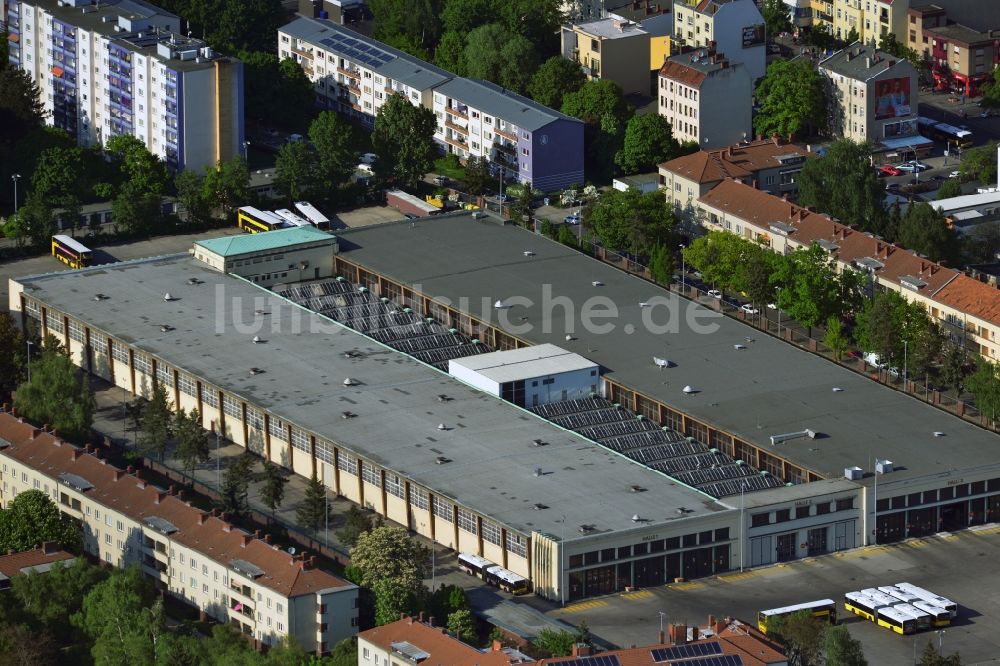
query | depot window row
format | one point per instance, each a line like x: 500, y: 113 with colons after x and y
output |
x: 648, y: 547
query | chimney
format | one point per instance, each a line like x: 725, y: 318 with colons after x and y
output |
x: 402, y: 616
x: 49, y: 547
x: 76, y: 454
x: 711, y: 621
x: 130, y: 470
x: 45, y: 427
x: 497, y: 646
x: 661, y: 638
x: 421, y: 616
x: 172, y: 489
x: 256, y: 533
x: 678, y: 634
x: 312, y: 562
x: 202, y: 517
x: 35, y: 432
x: 868, y: 62
x: 119, y: 474
x: 55, y: 433
x: 244, y: 540
x: 581, y: 650
x: 776, y: 139
x: 430, y: 621
x: 214, y: 512
x: 138, y: 473
x: 180, y: 494
x: 720, y: 626
x: 267, y: 538
x: 159, y: 497
x: 226, y: 527
x: 410, y: 620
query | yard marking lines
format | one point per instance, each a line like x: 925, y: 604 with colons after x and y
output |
x: 732, y: 578
x: 687, y: 586
x: 585, y: 605
x: 635, y: 596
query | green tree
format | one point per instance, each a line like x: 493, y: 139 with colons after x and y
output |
x: 273, y: 491
x: 55, y: 395
x: 494, y: 53
x: 949, y: 188
x: 802, y: 635
x: 841, y: 649
x: 408, y: 22
x: 190, y: 193
x: 282, y: 93
x: 477, y: 175
x: 344, y: 653
x: 392, y: 599
x: 932, y: 657
x: 991, y: 90
x: 464, y: 16
x: 13, y: 354
x: 836, y: 337
x: 21, y: 108
x: 50, y: 598
x: 852, y: 36
x: 566, y: 236
x: 227, y: 186
x: 554, y: 79
x: 723, y: 259
x: 776, y: 17
x: 450, y: 53
x: 32, y: 224
x: 924, y: 230
x: 156, y: 422
x: 118, y: 615
x: 632, y: 221
x: 32, y: 518
x: 389, y: 553
x: 649, y: 140
x: 879, y: 326
x: 980, y: 164
x: 462, y: 623
x: 792, y: 99
x: 405, y: 132
x: 236, y: 484
x: 356, y: 523
x: 192, y: 440
x: 523, y: 204
x: 556, y: 643
x: 759, y: 269
x: 57, y: 178
x: 843, y: 185
x: 312, y: 510
x: 984, y: 384
x: 333, y: 140
x: 810, y: 286
x: 600, y: 104
x: 136, y: 207
x: 953, y: 364
x: 296, y: 170
x: 661, y: 264
x: 888, y: 43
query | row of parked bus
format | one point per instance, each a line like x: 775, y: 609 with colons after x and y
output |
x: 903, y: 608
x: 493, y: 574
x: 253, y: 220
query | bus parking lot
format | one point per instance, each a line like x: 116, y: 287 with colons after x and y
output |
x: 959, y: 566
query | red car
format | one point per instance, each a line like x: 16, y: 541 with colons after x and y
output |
x: 889, y: 170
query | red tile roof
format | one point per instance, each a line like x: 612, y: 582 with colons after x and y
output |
x: 740, y: 161
x: 678, y: 71
x: 444, y: 650
x: 130, y: 495
x: 945, y: 285
x: 13, y: 564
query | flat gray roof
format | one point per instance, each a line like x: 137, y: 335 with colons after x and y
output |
x: 502, y: 103
x: 768, y: 388
x: 305, y: 359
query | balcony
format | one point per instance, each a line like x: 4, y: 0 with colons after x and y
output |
x: 456, y: 143
x: 241, y: 609
x: 506, y: 133
x: 457, y: 112
x: 456, y: 128
x: 350, y: 73
x: 302, y: 52
x: 505, y: 148
x: 243, y: 590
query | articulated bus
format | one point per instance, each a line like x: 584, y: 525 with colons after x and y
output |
x: 70, y: 251
x: 930, y: 598
x: 862, y: 605
x: 823, y: 608
x: 254, y: 221
x: 474, y: 565
x: 923, y: 618
x: 319, y: 220
x: 896, y: 593
x: 291, y: 218
x: 506, y: 580
x: 896, y: 620
x: 938, y: 131
x: 942, y: 618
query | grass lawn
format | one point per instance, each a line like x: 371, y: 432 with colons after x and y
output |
x: 445, y: 167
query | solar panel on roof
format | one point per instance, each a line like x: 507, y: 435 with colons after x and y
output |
x: 721, y: 660
x: 686, y: 651
x: 593, y: 660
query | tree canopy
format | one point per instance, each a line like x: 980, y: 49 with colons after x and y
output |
x: 632, y: 221
x: 980, y: 163
x: 32, y: 518
x: 389, y: 553
x: 792, y: 99
x: 776, y: 17
x: 649, y: 140
x: 282, y: 93
x: 924, y: 230
x: 405, y: 132
x: 56, y: 395
x: 554, y: 79
x: 600, y: 104
x: 495, y: 53
x: 842, y: 184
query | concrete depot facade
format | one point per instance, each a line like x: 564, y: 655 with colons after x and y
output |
x: 693, y: 535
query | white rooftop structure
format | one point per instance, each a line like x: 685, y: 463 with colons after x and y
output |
x: 524, y: 363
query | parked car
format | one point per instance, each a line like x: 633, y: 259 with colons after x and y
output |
x: 749, y: 309
x: 772, y: 306
x: 889, y: 170
x: 715, y: 293
x: 918, y: 166
x: 411, y: 216
x: 365, y: 168
x: 441, y: 181
x: 955, y: 174
x: 572, y: 219
x: 369, y: 158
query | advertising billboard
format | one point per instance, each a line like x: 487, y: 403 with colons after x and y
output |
x: 753, y: 35
x: 892, y: 98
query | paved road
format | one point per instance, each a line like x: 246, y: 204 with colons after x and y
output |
x: 960, y: 566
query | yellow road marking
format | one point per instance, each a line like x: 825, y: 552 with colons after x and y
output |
x: 687, y: 586
x: 585, y: 605
x: 640, y: 594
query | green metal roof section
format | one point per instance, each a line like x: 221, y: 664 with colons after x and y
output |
x: 228, y: 246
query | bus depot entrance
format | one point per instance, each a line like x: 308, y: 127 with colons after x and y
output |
x: 954, y: 516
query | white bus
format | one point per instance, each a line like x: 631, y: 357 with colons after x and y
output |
x: 823, y: 608
x: 292, y: 218
x: 255, y: 221
x: 862, y: 605
x: 474, y: 565
x: 507, y: 580
x: 896, y: 593
x: 923, y: 618
x: 896, y: 620
x: 317, y: 218
x: 942, y: 618
x: 931, y: 598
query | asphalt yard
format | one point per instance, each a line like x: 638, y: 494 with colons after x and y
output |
x: 960, y: 566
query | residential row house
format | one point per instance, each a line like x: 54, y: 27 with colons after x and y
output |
x: 967, y: 310
x: 766, y: 164
x: 962, y: 57
x: 230, y: 575
x: 873, y: 97
x: 871, y: 20
x: 733, y: 27
x: 122, y: 67
x: 355, y: 75
x: 706, y: 98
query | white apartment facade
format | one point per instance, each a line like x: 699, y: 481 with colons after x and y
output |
x: 706, y: 98
x: 122, y: 67
x: 733, y: 27
x: 228, y: 574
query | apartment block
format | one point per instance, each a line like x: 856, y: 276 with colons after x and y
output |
x: 706, y: 98
x: 122, y: 67
x: 353, y: 74
x: 962, y: 59
x: 872, y: 96
x: 36, y: 560
x: 228, y: 574
x: 733, y: 27
x: 965, y: 308
x: 525, y: 139
x: 766, y: 164
x: 870, y: 19
x: 610, y: 49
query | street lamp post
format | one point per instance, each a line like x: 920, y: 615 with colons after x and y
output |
x: 683, y: 267
x: 777, y: 306
x: 743, y: 544
x: 27, y: 359
x: 904, y: 366
x: 246, y: 151
x: 15, y: 177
